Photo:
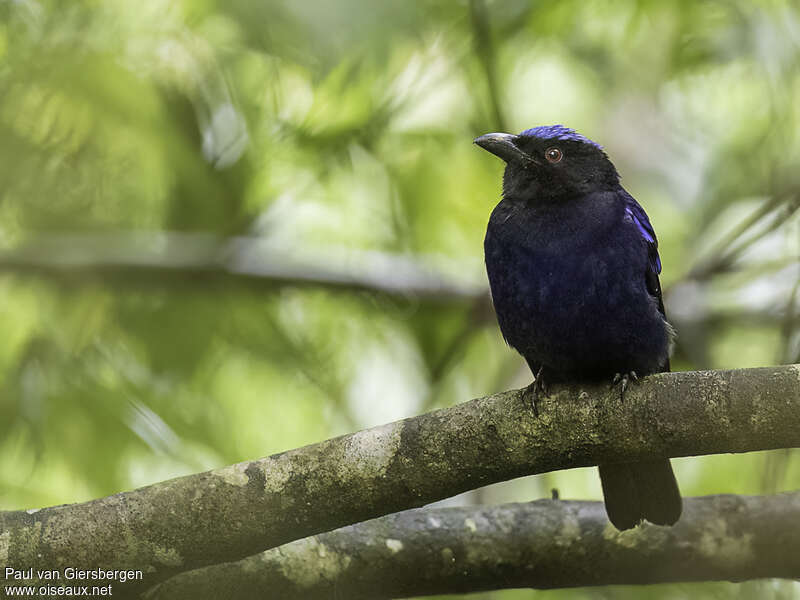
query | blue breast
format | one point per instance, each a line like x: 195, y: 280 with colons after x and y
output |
x: 569, y: 291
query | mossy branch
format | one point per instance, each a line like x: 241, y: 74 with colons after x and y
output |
x: 236, y: 511
x: 542, y: 544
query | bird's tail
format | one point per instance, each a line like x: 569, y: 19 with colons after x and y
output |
x: 642, y: 490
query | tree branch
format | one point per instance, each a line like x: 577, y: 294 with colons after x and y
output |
x: 167, y: 257
x: 245, y: 508
x: 544, y: 544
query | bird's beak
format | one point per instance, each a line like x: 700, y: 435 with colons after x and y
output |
x: 503, y: 145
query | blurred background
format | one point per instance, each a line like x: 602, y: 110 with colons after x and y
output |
x: 230, y: 228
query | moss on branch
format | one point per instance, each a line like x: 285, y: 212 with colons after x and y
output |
x: 542, y: 544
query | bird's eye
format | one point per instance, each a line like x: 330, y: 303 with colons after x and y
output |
x: 553, y: 155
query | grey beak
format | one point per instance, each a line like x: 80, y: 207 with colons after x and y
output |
x: 502, y: 145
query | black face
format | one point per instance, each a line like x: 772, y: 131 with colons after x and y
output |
x: 547, y: 168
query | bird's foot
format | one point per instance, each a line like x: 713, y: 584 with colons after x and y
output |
x: 623, y: 380
x: 531, y: 394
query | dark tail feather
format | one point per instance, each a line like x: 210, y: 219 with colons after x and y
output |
x: 642, y: 490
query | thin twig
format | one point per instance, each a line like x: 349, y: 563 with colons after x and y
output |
x: 484, y: 48
x: 733, y: 245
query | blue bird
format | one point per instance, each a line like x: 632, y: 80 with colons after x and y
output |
x: 573, y: 268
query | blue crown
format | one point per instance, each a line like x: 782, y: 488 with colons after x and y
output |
x: 559, y: 132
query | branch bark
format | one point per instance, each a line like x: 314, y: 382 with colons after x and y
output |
x: 544, y: 544
x: 231, y: 513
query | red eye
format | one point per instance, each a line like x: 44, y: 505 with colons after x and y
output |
x: 553, y: 155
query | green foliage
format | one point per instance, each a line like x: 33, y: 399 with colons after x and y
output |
x: 330, y: 130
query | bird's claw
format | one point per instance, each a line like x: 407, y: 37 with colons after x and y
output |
x: 623, y: 379
x: 532, y: 392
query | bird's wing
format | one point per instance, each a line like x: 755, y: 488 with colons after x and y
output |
x: 635, y: 213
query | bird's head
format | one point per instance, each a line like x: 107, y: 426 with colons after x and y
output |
x: 550, y: 163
